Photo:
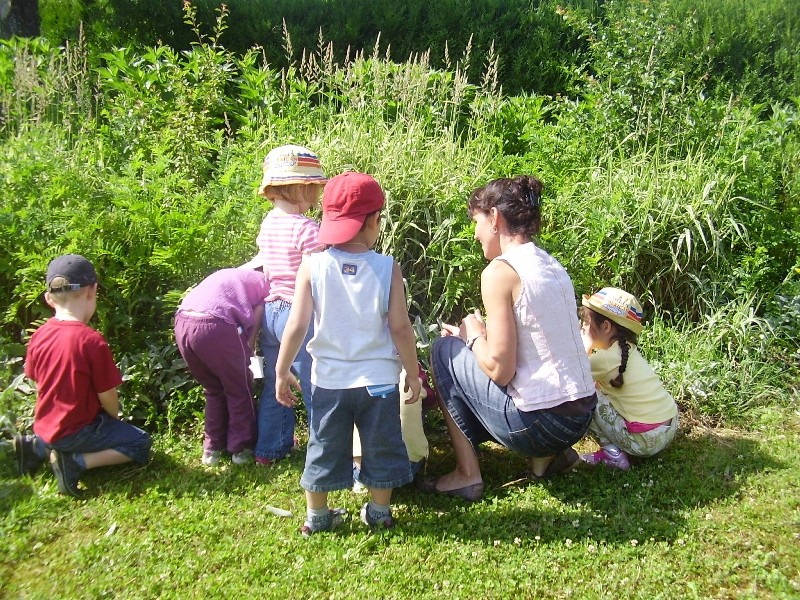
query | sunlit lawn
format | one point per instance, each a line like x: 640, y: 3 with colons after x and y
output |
x: 717, y: 515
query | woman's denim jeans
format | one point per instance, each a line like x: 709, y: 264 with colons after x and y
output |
x: 484, y: 411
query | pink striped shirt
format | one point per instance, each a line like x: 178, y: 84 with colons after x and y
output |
x: 282, y: 241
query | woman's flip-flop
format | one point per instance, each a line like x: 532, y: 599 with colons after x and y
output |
x: 470, y: 493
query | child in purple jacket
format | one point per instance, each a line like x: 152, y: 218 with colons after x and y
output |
x: 215, y: 328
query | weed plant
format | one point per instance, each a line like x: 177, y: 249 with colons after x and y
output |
x: 653, y: 182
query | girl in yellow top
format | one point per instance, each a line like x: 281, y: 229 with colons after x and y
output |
x: 635, y: 414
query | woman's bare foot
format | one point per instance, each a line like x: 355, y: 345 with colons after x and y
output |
x: 539, y: 465
x: 455, y: 480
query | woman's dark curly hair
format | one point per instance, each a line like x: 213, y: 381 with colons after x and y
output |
x: 519, y: 200
x: 621, y: 335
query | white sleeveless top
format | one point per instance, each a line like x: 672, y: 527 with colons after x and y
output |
x: 351, y: 346
x: 552, y: 366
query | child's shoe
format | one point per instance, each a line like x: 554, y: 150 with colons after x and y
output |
x: 211, y: 457
x: 334, y: 518
x: 67, y: 472
x: 383, y: 521
x: 358, y: 487
x: 242, y: 458
x: 610, y: 456
x: 27, y: 461
x: 268, y: 462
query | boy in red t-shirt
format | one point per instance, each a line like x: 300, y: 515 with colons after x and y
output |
x: 76, y: 419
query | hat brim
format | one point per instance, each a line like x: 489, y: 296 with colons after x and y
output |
x: 636, y: 328
x: 340, y: 229
x: 279, y: 181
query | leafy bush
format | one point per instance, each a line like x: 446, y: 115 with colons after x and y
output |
x: 522, y: 33
x: 653, y: 182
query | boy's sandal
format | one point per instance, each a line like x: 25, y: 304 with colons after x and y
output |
x: 336, y: 516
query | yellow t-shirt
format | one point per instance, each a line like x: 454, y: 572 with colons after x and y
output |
x: 642, y: 397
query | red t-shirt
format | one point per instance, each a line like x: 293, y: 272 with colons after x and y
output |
x: 71, y: 363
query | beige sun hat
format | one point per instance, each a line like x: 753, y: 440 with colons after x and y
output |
x: 618, y: 305
x: 290, y: 164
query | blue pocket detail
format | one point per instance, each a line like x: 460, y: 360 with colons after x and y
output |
x: 381, y: 390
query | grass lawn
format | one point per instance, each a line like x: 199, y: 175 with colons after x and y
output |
x: 715, y: 516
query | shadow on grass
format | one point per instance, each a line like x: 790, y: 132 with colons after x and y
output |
x: 13, y: 488
x: 12, y: 492
x: 651, y: 500
x: 175, y: 474
x: 654, y: 499
x: 181, y: 476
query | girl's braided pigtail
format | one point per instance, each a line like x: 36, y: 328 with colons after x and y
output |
x: 624, y: 350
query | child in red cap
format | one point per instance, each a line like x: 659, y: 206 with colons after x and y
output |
x: 361, y: 325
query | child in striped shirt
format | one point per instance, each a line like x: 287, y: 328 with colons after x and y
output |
x: 293, y: 181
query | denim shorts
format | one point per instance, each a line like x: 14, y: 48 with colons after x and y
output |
x: 107, y: 433
x: 484, y: 411
x: 329, y: 457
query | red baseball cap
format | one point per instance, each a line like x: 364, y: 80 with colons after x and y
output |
x: 346, y: 201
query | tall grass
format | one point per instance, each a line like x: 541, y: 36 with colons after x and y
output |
x: 148, y: 164
x: 664, y: 229
x: 42, y: 83
x: 410, y: 125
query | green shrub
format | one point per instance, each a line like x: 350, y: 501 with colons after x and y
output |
x: 686, y: 199
x: 522, y: 33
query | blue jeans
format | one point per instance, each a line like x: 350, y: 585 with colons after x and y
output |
x: 275, y: 421
x: 329, y: 458
x: 107, y: 433
x: 484, y: 411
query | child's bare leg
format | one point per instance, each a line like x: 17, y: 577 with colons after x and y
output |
x: 382, y: 496
x: 104, y: 458
x: 316, y: 500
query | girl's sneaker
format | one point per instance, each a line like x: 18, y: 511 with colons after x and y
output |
x: 244, y: 457
x: 610, y: 457
x: 334, y: 518
x: 211, y: 457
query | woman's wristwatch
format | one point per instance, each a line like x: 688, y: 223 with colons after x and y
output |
x: 471, y: 341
